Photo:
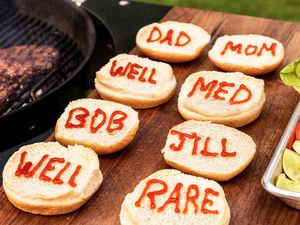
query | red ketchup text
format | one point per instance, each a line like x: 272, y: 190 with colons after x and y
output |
x: 218, y: 90
x: 28, y: 170
x: 183, y: 137
x: 157, y: 36
x: 133, y: 71
x: 249, y: 49
x: 78, y: 119
x: 191, y: 201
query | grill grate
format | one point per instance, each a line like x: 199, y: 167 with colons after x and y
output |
x: 19, y: 29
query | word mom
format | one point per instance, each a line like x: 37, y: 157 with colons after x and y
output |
x: 249, y: 49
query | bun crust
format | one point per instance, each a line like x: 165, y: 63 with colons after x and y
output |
x: 199, y: 39
x: 200, y: 107
x: 37, y: 196
x: 217, y: 167
x: 142, y: 214
x: 129, y: 89
x: 252, y: 64
x: 102, y: 141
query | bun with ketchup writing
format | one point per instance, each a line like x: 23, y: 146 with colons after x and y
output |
x: 210, y: 150
x: 171, y: 197
x: 172, y: 41
x: 233, y: 99
x: 102, y: 125
x: 250, y: 54
x: 49, y: 179
x: 135, y: 81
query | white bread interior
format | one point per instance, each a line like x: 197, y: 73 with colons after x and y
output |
x: 101, y: 142
x: 248, y: 64
x: 143, y: 215
x: 133, y: 92
x: 40, y: 197
x: 197, y: 107
x: 199, y: 40
x: 217, y: 168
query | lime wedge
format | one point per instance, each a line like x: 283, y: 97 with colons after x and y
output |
x: 284, y: 183
x: 291, y: 164
x: 296, y: 146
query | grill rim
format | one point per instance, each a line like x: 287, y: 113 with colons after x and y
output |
x: 91, y: 36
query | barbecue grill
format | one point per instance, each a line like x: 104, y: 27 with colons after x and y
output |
x: 59, y: 24
x: 33, y: 120
x: 21, y: 29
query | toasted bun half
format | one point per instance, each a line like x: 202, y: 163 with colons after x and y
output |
x: 250, y: 54
x: 172, y: 41
x: 50, y: 179
x: 135, y: 81
x: 171, y: 197
x: 102, y: 125
x: 213, y: 151
x: 233, y: 99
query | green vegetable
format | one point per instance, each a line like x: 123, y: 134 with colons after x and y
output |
x: 290, y: 75
x: 287, y: 184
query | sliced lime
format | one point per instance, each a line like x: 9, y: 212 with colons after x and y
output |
x: 284, y: 183
x: 291, y: 164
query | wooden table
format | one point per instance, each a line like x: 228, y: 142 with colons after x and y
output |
x: 248, y: 201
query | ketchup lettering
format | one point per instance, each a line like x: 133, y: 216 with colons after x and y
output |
x: 151, y: 195
x: 194, y: 151
x: 182, y: 137
x: 82, y: 113
x: 72, y: 182
x: 50, y: 167
x: 191, y: 197
x: 57, y: 179
x: 206, y: 201
x: 250, y: 49
x: 156, y: 35
x: 97, y: 112
x: 133, y: 70
x: 115, y: 121
x: 173, y: 198
x: 218, y: 90
x: 24, y: 169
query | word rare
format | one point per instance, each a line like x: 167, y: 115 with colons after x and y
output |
x: 192, y: 195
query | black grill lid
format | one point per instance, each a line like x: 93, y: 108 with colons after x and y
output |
x: 18, y: 28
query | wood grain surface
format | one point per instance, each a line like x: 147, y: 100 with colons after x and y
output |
x: 248, y: 201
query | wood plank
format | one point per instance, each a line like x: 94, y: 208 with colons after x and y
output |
x: 122, y: 171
